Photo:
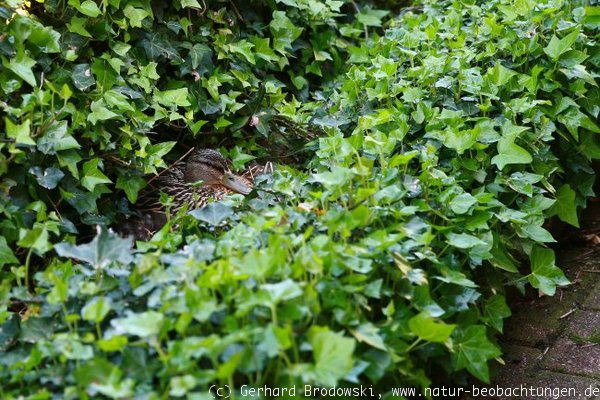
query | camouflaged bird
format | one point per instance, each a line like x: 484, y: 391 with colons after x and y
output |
x: 202, y: 177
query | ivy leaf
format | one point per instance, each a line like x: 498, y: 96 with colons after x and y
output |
x: 472, y: 350
x: 100, y: 112
x: 464, y: 240
x: 20, y: 133
x: 105, y: 248
x: 144, y: 324
x: 56, y: 138
x: 557, y: 46
x: 579, y: 72
x: 462, y: 203
x: 92, y: 176
x: 131, y: 185
x: 135, y: 15
x: 156, y: 45
x: 455, y: 277
x: 213, y: 213
x: 284, y: 31
x: 495, y: 310
x: 368, y: 333
x: 336, y: 177
x: 173, y: 97
x: 244, y: 48
x: 332, y: 353
x: 500, y: 257
x: 9, y: 331
x: 48, y: 177
x: 501, y: 74
x: 426, y: 328
x: 574, y: 119
x: 510, y: 153
x: 36, y: 238
x: 537, y: 233
x: 22, y: 65
x: 6, y: 254
x: 191, y: 4
x: 545, y: 275
x: 201, y: 54
x: 282, y: 291
x: 371, y: 17
x: 263, y: 50
x: 82, y: 76
x: 96, y: 309
x: 89, y: 8
x: 239, y: 158
x: 565, y: 206
x: 118, y: 100
x: 77, y: 25
x: 46, y: 38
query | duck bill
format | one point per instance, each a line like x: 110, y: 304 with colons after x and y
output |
x: 236, y: 184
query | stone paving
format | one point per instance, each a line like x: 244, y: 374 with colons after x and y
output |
x: 554, y: 342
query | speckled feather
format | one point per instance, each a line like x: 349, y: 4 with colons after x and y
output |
x: 177, y: 182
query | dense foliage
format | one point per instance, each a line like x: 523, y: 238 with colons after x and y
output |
x: 449, y: 136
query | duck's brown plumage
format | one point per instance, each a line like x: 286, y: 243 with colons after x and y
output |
x: 202, y: 177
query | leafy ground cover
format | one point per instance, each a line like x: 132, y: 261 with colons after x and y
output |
x: 449, y: 136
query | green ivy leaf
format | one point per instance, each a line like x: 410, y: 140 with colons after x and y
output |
x: 495, y: 310
x: 191, y: 4
x: 462, y: 203
x: 282, y: 291
x: 22, y: 65
x: 201, y: 55
x: 92, y: 176
x: 557, y: 46
x: 464, y: 240
x: 131, y: 185
x: 36, y: 238
x: 284, y: 32
x: 371, y: 17
x: 105, y: 248
x: 244, y: 48
x: 20, y: 133
x: 537, y: 232
x: 213, y: 213
x: 472, y: 350
x: 174, y: 97
x: 56, y: 138
x: 144, y: 324
x: 87, y: 7
x: 6, y: 254
x: 135, y: 15
x: 368, y: 333
x: 510, y: 153
x: 46, y: 38
x: 100, y: 112
x: 545, y: 275
x: 82, y: 76
x: 426, y: 328
x: 332, y: 353
x: 48, y: 177
x: 117, y: 100
x: 565, y: 206
x: 96, y: 309
x: 77, y: 25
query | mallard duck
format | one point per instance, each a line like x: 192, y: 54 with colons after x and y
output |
x: 202, y: 177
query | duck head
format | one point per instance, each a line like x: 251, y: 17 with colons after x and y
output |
x: 210, y: 167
